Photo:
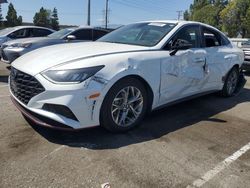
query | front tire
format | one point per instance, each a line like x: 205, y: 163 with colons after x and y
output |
x: 124, y: 106
x: 231, y: 82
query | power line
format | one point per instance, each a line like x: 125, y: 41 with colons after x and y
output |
x: 180, y: 14
x: 105, y: 20
x: 150, y: 5
x: 136, y: 6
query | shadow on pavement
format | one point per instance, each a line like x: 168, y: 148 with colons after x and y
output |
x: 156, y: 125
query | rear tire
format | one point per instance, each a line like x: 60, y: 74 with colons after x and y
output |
x: 231, y: 82
x: 124, y: 106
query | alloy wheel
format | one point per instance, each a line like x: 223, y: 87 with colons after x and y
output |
x: 127, y: 106
x: 232, y: 82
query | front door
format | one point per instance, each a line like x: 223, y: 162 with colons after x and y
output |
x: 184, y: 73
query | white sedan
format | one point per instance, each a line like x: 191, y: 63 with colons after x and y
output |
x: 117, y: 80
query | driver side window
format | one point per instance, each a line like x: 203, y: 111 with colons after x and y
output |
x: 189, y: 34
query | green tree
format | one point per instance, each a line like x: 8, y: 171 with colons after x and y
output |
x: 54, y: 21
x: 235, y: 18
x: 207, y: 14
x: 186, y: 15
x: 1, y: 16
x: 42, y: 18
x: 207, y: 11
x: 11, y: 17
x: 20, y: 20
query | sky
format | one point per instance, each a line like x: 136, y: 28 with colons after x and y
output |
x: 74, y: 12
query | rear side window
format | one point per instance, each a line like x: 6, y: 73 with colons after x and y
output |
x: 40, y: 32
x: 98, y: 34
x: 211, y: 38
x: 83, y: 34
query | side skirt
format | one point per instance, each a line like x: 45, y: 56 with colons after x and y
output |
x: 185, y: 99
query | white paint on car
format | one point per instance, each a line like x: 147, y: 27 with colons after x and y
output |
x: 187, y: 73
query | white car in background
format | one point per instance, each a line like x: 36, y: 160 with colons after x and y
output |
x: 20, y: 32
x: 115, y: 81
x: 244, y: 44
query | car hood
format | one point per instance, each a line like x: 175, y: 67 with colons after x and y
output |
x: 29, y: 40
x: 45, y: 58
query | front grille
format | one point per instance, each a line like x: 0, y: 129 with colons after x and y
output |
x: 24, y: 86
x: 43, y: 121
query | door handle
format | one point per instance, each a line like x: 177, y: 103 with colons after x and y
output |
x: 228, y: 58
x: 200, y: 60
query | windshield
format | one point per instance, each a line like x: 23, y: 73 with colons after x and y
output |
x: 6, y: 31
x: 143, y: 34
x: 60, y: 34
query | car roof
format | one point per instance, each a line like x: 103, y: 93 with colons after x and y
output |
x: 180, y: 22
x: 13, y: 29
x: 38, y: 27
x: 170, y: 21
x: 88, y: 27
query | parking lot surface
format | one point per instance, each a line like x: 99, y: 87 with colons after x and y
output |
x: 200, y: 143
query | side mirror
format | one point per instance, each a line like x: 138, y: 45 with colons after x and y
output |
x: 71, y: 37
x: 180, y: 44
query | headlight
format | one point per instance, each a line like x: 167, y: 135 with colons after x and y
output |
x: 71, y: 76
x: 21, y: 45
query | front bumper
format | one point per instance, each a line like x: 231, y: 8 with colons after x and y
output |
x: 74, y: 97
x: 40, y: 120
x: 8, y: 55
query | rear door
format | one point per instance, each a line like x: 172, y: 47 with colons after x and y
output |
x: 219, y: 56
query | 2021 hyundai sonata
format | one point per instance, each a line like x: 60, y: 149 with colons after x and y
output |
x: 115, y: 81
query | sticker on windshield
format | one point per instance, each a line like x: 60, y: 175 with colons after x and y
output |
x: 157, y: 24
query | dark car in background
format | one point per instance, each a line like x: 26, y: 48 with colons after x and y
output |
x: 19, y: 32
x: 13, y: 49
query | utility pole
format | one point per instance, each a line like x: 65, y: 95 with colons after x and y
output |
x: 88, y: 22
x: 106, y: 14
x: 180, y: 13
